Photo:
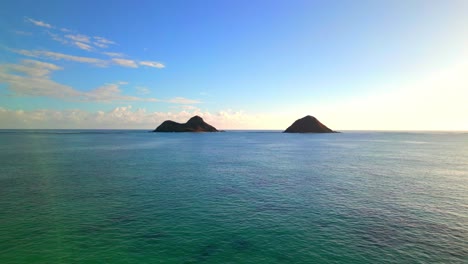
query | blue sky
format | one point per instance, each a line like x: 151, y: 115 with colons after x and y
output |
x: 239, y: 64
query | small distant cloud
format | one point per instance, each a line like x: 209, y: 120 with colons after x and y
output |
x: 39, y: 23
x: 56, y: 37
x: 113, y: 54
x: 153, y: 64
x: 182, y: 100
x: 78, y: 38
x: 65, y: 30
x: 83, y: 46
x: 100, y: 45
x: 142, y: 90
x: 125, y: 63
x: 189, y: 108
x: 60, y: 56
x: 107, y: 92
x: 102, y: 42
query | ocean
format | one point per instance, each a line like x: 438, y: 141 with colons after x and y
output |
x: 130, y: 196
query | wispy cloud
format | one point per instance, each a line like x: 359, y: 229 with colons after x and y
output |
x: 125, y: 63
x: 85, y: 42
x: 83, y: 46
x: 102, y: 42
x: 113, y: 54
x: 32, y: 78
x: 111, y: 92
x: 60, y: 56
x: 78, y: 38
x: 100, y: 45
x: 39, y: 23
x: 33, y: 68
x: 142, y: 90
x: 57, y: 37
x: 182, y: 100
x: 153, y: 64
x: 94, y: 61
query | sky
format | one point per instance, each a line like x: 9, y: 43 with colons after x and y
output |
x: 354, y: 65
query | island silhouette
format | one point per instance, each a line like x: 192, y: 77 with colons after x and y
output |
x: 308, y: 124
x: 194, y: 124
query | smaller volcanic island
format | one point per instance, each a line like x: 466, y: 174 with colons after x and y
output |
x: 194, y: 124
x: 308, y: 124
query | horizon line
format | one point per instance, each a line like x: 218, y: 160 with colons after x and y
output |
x: 253, y: 130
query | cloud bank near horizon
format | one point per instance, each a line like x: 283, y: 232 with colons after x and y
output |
x: 124, y: 117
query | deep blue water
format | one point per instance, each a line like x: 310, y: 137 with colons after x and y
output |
x: 104, y: 196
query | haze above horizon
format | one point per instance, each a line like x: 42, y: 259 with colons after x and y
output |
x: 354, y: 65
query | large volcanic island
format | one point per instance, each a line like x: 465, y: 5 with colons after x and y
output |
x: 195, y: 124
x: 308, y: 124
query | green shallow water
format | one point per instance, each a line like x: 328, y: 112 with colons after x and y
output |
x: 236, y: 197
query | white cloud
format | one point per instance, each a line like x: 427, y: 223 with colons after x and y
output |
x: 94, y: 61
x: 104, y: 41
x: 113, y: 54
x: 32, y: 78
x: 78, y: 38
x: 142, y: 90
x: 112, y: 92
x: 83, y: 46
x: 153, y: 64
x: 60, y: 56
x: 83, y: 42
x: 58, y: 38
x: 182, y: 100
x: 39, y: 23
x: 189, y: 107
x: 125, y: 63
x: 32, y: 68
x: 100, y: 45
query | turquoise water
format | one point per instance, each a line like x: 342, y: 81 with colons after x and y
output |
x: 80, y: 196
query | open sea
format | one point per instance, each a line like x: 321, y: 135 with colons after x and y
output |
x: 130, y: 196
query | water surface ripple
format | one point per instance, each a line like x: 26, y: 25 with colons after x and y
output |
x: 78, y: 196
